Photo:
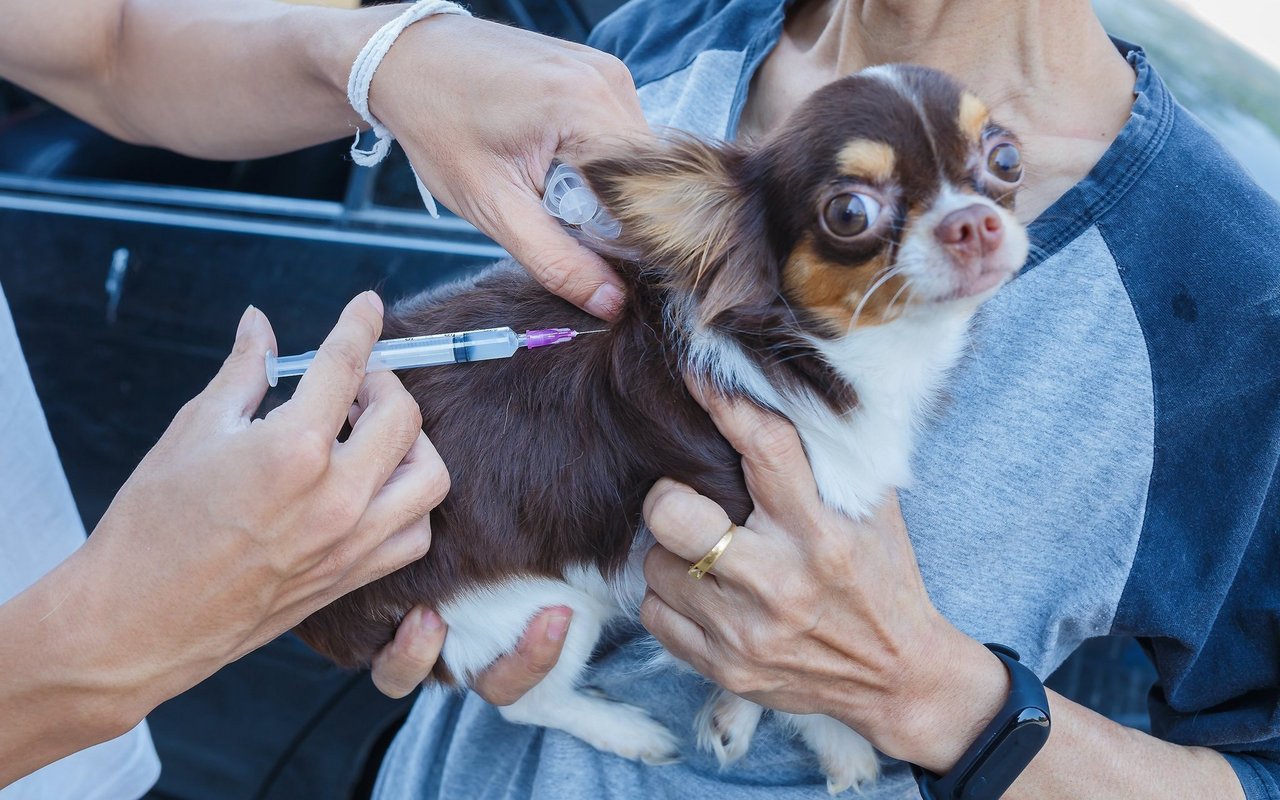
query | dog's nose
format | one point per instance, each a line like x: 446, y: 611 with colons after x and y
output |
x: 970, y: 233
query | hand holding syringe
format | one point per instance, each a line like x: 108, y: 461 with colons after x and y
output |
x: 428, y: 351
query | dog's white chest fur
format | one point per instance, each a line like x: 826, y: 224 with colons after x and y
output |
x: 895, y: 368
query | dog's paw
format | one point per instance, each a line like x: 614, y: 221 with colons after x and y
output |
x: 847, y: 760
x: 726, y: 725
x: 850, y: 770
x: 849, y: 763
x: 631, y: 733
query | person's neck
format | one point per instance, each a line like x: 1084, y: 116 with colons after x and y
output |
x: 1029, y: 57
x: 1047, y: 68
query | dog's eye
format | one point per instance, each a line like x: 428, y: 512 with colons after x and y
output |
x: 848, y: 215
x: 1005, y: 162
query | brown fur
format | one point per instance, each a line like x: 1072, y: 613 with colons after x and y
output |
x: 551, y: 452
x: 832, y: 291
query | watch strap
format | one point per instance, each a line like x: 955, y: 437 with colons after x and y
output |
x: 1004, y: 748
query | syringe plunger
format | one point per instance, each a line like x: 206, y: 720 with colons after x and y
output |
x: 429, y: 351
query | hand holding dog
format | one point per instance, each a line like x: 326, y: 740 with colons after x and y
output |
x: 486, y: 161
x: 810, y: 612
x: 408, y: 660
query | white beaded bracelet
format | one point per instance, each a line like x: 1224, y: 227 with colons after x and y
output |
x: 366, y: 64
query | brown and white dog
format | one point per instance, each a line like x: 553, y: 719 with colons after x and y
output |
x: 827, y: 272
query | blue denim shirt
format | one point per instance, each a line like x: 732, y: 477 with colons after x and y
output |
x: 1106, y: 462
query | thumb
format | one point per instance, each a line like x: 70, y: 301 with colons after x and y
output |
x: 408, y: 660
x: 559, y: 262
x: 242, y: 382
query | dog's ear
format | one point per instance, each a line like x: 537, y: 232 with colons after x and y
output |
x: 689, y: 211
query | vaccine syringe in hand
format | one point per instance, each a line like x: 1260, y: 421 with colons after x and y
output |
x: 428, y: 351
x: 567, y: 198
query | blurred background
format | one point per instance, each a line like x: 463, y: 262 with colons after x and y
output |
x: 1222, y: 60
x: 140, y: 263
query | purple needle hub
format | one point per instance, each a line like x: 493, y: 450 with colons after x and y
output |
x: 548, y: 336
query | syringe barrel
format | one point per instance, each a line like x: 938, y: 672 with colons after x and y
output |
x: 445, y: 348
x: 417, y: 351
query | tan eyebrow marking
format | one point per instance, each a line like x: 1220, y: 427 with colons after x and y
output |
x: 865, y: 158
x: 973, y: 115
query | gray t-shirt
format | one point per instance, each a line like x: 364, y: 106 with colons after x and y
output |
x: 39, y: 527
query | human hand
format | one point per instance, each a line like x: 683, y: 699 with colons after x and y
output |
x: 810, y: 612
x: 482, y: 109
x: 233, y: 530
x: 410, y: 657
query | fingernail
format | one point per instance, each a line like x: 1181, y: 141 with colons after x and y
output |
x: 259, y: 324
x: 431, y: 621
x: 556, y: 626
x: 374, y: 301
x: 245, y: 319
x: 606, y: 301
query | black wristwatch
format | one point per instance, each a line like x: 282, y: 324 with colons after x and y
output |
x: 1005, y: 748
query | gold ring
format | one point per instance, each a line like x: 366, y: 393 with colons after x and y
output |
x: 708, y: 561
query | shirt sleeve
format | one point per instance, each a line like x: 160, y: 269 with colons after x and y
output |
x: 1199, y: 249
x: 1259, y: 777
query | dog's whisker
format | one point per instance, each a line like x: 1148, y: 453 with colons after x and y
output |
x: 885, y: 278
x: 893, y: 300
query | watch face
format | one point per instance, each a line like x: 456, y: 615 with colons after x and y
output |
x: 1007, y: 756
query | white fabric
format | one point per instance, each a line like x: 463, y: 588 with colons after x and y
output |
x: 39, y: 527
x: 362, y: 71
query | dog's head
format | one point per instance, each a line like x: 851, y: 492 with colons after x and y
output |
x: 886, y: 193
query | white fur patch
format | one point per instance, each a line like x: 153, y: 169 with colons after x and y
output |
x: 487, y: 621
x: 896, y: 369
x: 725, y: 726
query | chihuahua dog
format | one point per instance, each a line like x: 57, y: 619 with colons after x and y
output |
x: 827, y: 273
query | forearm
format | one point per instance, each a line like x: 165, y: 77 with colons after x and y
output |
x: 231, y: 79
x: 1087, y: 755
x: 60, y: 689
x: 225, y: 536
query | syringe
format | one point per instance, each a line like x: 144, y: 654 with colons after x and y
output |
x: 428, y: 351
